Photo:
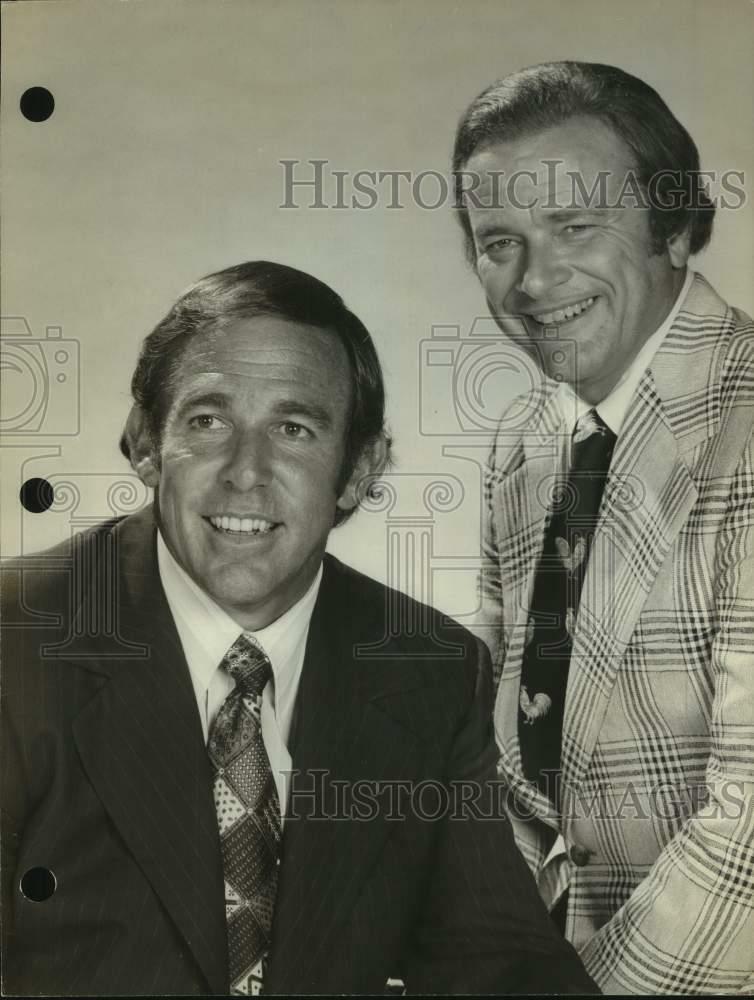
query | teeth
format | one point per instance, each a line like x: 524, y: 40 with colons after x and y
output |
x: 242, y: 525
x: 563, y: 315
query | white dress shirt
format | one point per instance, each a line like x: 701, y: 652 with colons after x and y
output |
x: 554, y: 874
x: 207, y: 633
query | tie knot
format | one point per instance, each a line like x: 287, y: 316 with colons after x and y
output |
x: 248, y: 665
x: 588, y: 424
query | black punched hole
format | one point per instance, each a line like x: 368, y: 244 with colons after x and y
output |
x: 37, y: 104
x: 36, y: 495
x: 38, y: 884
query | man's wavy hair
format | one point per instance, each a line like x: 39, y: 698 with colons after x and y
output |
x: 245, y: 291
x: 549, y: 94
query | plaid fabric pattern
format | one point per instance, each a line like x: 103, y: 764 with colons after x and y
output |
x: 658, y: 731
x: 248, y: 815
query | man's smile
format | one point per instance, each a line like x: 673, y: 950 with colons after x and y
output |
x: 243, y: 526
x: 562, y: 314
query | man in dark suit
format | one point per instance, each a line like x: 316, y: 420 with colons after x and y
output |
x: 226, y: 766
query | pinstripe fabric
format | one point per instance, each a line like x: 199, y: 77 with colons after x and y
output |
x: 658, y: 739
x: 106, y: 781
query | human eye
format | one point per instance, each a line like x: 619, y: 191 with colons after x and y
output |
x: 294, y: 431
x: 500, y: 246
x: 206, y: 422
x: 579, y: 226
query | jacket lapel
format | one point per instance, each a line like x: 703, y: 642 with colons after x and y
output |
x: 141, y: 743
x: 648, y: 498
x: 350, y: 731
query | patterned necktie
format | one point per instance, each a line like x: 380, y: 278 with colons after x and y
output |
x: 248, y: 815
x: 555, y: 602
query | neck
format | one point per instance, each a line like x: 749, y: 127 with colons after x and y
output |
x: 595, y: 392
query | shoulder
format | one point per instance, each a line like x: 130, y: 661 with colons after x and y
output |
x: 703, y: 374
x: 736, y: 360
x: 76, y: 587
x: 714, y: 339
x: 365, y: 601
x: 399, y: 629
x: 731, y: 375
x: 45, y: 682
x: 39, y: 580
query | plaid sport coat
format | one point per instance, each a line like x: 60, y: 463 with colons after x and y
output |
x: 658, y: 735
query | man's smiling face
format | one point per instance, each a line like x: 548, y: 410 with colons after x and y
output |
x: 557, y: 270
x: 249, y: 462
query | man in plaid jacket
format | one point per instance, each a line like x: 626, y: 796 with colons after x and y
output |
x: 579, y: 195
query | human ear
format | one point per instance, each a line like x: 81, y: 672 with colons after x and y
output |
x: 374, y: 457
x: 141, y: 449
x: 679, y: 248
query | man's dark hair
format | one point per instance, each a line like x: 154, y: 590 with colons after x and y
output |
x: 549, y: 94
x: 260, y: 288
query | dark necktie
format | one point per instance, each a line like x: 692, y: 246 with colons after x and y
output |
x: 555, y: 602
x: 248, y: 815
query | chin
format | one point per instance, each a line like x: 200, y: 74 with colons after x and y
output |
x: 237, y: 588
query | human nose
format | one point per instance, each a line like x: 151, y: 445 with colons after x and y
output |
x: 542, y: 271
x: 248, y: 463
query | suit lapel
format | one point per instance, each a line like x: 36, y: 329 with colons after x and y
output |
x: 349, y: 730
x: 647, y: 500
x: 142, y: 746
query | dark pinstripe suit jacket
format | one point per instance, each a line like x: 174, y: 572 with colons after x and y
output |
x: 107, y: 784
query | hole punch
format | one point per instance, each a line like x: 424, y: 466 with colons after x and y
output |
x: 36, y: 495
x: 37, y: 104
x: 38, y: 884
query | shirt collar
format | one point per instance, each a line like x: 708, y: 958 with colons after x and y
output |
x: 613, y: 408
x: 207, y: 631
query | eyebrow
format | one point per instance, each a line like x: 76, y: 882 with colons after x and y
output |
x: 566, y: 214
x: 497, y: 227
x: 282, y: 408
x: 491, y: 229
x: 294, y: 407
x: 217, y: 400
